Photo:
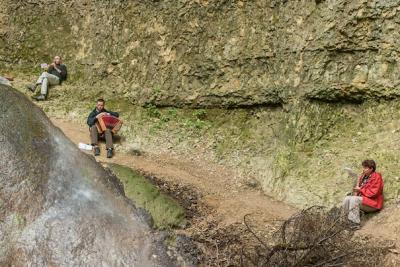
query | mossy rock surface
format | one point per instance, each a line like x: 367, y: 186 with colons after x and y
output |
x: 165, y: 211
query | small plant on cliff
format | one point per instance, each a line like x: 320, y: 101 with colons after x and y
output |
x: 170, y: 115
x: 164, y: 116
x: 198, y: 120
x: 156, y: 92
x: 200, y: 114
x: 152, y: 110
x: 196, y: 124
x: 283, y: 161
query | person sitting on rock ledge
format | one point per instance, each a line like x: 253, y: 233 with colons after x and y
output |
x: 94, y: 133
x: 55, y: 74
x: 367, y: 194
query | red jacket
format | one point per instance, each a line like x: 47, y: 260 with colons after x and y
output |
x: 372, y: 191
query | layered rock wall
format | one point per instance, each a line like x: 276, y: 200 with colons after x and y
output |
x: 214, y: 53
x: 294, y: 90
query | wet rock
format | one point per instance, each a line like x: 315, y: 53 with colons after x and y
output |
x: 57, y: 205
x: 145, y: 216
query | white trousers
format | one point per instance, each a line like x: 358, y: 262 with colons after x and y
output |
x: 45, y: 80
x: 352, y: 206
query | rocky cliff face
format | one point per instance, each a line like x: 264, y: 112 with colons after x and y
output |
x: 214, y: 53
x: 301, y: 78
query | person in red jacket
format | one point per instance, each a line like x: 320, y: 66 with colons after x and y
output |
x: 367, y: 194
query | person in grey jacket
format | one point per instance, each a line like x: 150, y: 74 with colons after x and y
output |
x: 55, y: 74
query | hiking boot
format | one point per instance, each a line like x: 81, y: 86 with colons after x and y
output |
x: 109, y: 153
x: 31, y: 87
x: 96, y: 151
x: 40, y: 98
x: 354, y: 226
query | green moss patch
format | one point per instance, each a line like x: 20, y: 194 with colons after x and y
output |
x: 166, y: 212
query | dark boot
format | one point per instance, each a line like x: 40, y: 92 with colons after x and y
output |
x: 96, y: 150
x: 109, y: 153
x: 32, y: 87
x: 354, y: 226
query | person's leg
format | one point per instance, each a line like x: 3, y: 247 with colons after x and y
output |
x: 94, y: 135
x: 109, y: 140
x: 52, y: 79
x: 43, y: 89
x: 109, y: 143
x: 345, y: 205
x: 354, y: 204
x: 94, y: 139
x: 39, y: 81
x: 41, y: 77
x: 48, y: 79
x: 367, y: 208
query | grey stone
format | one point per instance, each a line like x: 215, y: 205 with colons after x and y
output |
x: 58, y: 206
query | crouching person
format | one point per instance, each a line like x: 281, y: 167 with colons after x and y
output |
x: 367, y: 194
x: 94, y: 133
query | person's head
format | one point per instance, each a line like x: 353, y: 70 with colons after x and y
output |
x: 57, y: 60
x: 369, y: 166
x: 100, y: 104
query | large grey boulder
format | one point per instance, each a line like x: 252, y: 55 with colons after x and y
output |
x: 58, y: 207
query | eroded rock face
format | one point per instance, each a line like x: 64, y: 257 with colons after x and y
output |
x: 214, y: 53
x: 58, y: 207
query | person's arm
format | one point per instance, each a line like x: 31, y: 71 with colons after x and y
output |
x: 61, y: 69
x: 112, y: 113
x: 91, y: 120
x: 115, y: 114
x: 356, y: 188
x: 57, y: 69
x: 372, y: 188
x: 63, y: 72
x: 50, y: 68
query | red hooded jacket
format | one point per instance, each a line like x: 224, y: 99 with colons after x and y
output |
x: 372, y: 191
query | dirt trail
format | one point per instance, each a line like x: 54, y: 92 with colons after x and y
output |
x: 219, y: 186
x: 224, y: 193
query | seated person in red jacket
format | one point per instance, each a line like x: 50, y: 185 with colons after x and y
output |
x: 367, y: 194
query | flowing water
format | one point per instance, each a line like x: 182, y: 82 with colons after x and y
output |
x: 58, y: 207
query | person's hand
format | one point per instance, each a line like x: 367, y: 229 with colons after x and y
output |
x: 356, y: 189
x: 52, y: 65
x: 100, y: 115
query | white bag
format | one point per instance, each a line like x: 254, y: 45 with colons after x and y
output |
x: 85, y: 146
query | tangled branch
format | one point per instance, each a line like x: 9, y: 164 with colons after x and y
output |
x: 312, y: 237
